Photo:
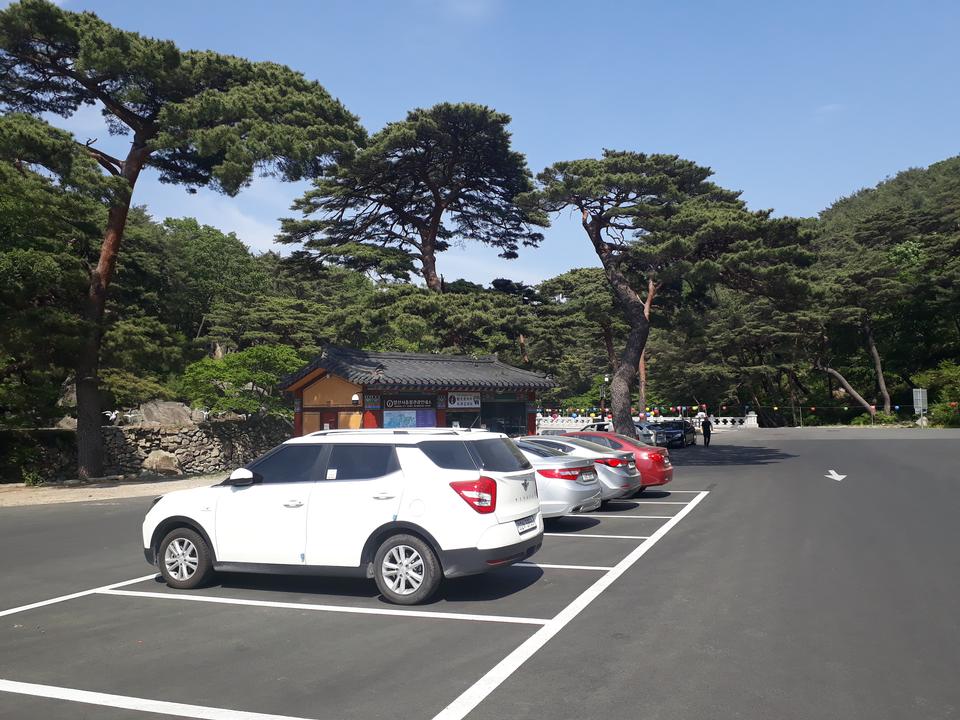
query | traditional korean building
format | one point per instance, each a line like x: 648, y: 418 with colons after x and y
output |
x: 344, y: 388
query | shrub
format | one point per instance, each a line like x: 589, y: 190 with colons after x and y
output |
x: 243, y: 382
x: 880, y: 418
x: 944, y: 415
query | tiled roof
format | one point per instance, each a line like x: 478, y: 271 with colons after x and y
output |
x: 421, y: 371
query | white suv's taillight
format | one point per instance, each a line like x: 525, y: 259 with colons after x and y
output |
x: 480, y: 494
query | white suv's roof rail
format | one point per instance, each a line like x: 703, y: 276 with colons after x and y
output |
x: 386, y: 431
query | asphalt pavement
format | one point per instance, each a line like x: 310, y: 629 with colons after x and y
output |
x: 752, y: 587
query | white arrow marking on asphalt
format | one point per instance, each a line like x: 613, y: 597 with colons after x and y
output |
x: 834, y: 475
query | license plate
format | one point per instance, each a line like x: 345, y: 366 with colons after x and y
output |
x: 631, y: 465
x: 527, y: 524
x: 588, y: 477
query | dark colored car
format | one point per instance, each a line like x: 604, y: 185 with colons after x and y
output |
x: 679, y: 433
x: 652, y: 462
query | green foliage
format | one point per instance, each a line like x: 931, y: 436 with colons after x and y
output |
x: 880, y: 418
x: 942, y: 382
x: 242, y: 382
x: 209, y: 119
x: 50, y: 212
x: 124, y: 389
x: 945, y: 415
x: 444, y: 172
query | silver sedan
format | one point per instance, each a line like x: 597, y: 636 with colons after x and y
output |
x: 617, y: 471
x: 565, y: 484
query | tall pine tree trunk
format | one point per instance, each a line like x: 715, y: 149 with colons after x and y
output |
x: 429, y: 269
x: 877, y: 365
x: 647, y: 303
x: 846, y: 386
x: 89, y: 420
x: 633, y: 310
x: 626, y: 373
x: 428, y: 250
x: 643, y: 380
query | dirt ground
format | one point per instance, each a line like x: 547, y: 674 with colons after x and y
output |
x: 18, y: 494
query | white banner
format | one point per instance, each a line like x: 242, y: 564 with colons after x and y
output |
x: 463, y: 400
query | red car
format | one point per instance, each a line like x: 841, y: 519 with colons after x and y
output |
x: 652, y: 462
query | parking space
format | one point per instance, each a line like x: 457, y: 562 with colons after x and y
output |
x: 296, y: 647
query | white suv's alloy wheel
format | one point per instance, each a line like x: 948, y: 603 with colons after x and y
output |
x: 181, y: 559
x: 403, y: 570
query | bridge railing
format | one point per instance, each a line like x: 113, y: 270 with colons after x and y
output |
x: 720, y: 422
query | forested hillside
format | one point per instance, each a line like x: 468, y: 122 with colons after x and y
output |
x: 191, y: 303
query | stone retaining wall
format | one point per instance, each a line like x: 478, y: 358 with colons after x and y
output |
x: 214, y: 446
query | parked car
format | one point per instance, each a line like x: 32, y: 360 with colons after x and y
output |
x: 617, y: 471
x: 650, y: 433
x: 565, y: 484
x: 652, y: 462
x: 404, y: 507
x: 680, y: 433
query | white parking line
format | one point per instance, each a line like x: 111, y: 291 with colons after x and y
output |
x: 562, y: 567
x: 648, y: 502
x: 72, y: 596
x: 588, y: 535
x: 632, y: 517
x: 476, y: 693
x: 161, y: 707
x: 678, y: 492
x: 331, y: 608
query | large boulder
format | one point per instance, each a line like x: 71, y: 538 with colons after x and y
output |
x: 164, y: 412
x: 162, y: 463
x: 66, y: 423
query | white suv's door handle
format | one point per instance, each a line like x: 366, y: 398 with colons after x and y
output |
x: 293, y: 504
x: 383, y: 496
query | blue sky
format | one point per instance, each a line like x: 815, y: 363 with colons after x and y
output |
x: 794, y: 103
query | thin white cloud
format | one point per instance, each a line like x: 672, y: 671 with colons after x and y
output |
x: 252, y: 215
x: 829, y: 109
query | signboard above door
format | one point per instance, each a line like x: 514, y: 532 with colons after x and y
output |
x: 407, y: 403
x: 463, y: 400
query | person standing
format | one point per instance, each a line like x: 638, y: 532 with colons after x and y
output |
x: 707, y: 427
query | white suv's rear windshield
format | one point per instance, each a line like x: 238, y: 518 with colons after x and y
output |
x: 495, y: 455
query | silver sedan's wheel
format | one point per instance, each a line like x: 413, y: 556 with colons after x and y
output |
x: 403, y: 569
x: 406, y: 569
x: 181, y: 559
x: 185, y: 559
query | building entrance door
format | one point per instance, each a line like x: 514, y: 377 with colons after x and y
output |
x: 319, y: 420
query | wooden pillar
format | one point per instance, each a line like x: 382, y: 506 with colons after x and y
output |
x: 298, y: 413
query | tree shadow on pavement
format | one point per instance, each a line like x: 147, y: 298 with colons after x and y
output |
x: 727, y: 455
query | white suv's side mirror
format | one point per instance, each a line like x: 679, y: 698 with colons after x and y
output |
x: 243, y: 476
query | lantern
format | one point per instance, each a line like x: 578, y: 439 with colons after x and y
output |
x: 775, y: 407
x: 813, y: 409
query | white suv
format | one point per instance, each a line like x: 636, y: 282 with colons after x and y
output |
x: 405, y: 507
